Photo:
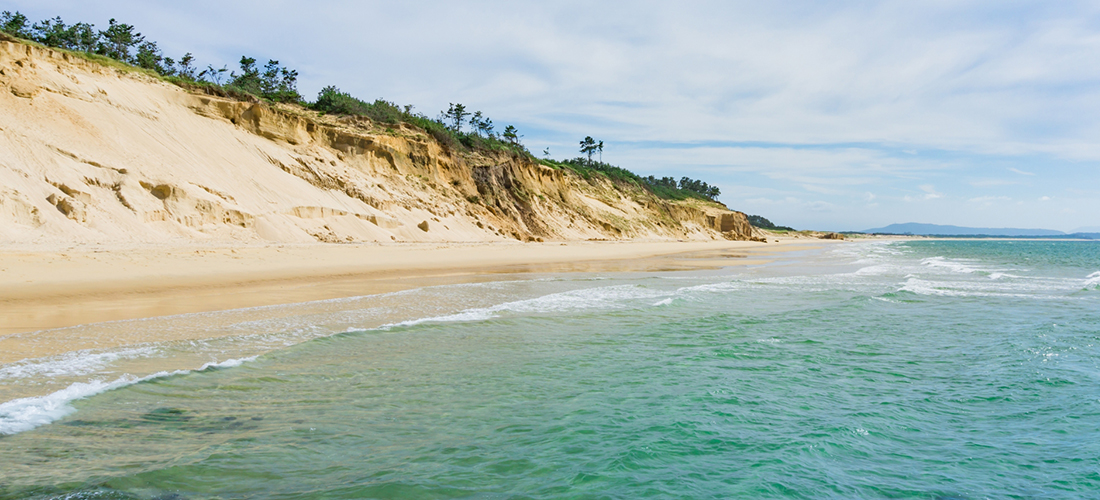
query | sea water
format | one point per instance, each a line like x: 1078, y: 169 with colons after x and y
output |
x: 915, y: 369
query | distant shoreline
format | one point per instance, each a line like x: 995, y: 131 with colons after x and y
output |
x: 969, y: 237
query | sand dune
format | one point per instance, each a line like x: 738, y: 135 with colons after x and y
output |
x: 93, y: 154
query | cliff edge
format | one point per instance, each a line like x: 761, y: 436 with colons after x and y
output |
x: 91, y: 153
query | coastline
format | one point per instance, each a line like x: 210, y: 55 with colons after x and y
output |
x: 50, y: 289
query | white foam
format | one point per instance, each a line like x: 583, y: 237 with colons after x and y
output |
x: 944, y: 263
x: 1093, y: 280
x: 24, y: 414
x: 922, y: 287
x: 575, y: 300
x: 664, y: 302
x: 70, y: 364
x: 1030, y: 288
x: 229, y: 363
x: 480, y: 314
x: 724, y: 286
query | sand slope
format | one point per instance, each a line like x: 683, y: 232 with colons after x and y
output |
x: 92, y: 154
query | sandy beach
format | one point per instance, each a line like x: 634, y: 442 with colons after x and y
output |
x: 65, y: 287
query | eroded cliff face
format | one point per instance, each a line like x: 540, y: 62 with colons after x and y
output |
x: 94, y: 154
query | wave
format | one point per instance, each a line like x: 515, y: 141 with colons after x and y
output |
x: 1056, y: 289
x: 601, y: 298
x: 1093, y: 280
x: 574, y: 300
x: 951, y: 265
x: 71, y: 364
x: 967, y: 267
x: 24, y: 414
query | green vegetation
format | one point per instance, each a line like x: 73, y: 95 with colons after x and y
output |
x: 456, y: 116
x: 447, y: 129
x: 687, y: 185
x: 122, y: 46
x: 762, y: 223
x: 590, y: 146
x: 275, y: 83
x: 122, y: 43
x: 666, y: 187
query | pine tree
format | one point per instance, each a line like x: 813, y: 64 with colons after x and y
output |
x: 588, y: 147
x: 510, y: 134
x: 456, y: 114
x: 117, y: 40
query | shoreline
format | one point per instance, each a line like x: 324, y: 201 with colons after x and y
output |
x: 54, y: 289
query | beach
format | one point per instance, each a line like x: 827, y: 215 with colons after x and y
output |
x: 62, y: 287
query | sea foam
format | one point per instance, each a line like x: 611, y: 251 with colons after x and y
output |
x: 24, y: 414
x: 70, y: 364
x: 575, y: 300
x: 1093, y: 280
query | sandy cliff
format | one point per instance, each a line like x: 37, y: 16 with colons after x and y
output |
x: 94, y: 154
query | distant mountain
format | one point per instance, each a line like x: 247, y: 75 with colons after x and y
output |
x: 1088, y: 229
x: 938, y: 230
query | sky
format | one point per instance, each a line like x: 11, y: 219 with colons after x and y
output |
x: 817, y: 115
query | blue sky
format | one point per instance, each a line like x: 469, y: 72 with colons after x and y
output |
x: 824, y: 115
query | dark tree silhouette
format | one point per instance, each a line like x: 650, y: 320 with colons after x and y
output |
x: 456, y: 114
x: 588, y: 147
x: 510, y: 134
x: 117, y: 40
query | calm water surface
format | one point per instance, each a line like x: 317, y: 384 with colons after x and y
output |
x: 928, y: 369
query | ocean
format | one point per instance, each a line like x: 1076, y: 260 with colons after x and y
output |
x: 955, y: 369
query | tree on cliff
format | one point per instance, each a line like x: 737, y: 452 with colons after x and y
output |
x: 699, y: 187
x: 456, y: 114
x: 213, y: 75
x: 588, y: 147
x: 485, y: 125
x: 15, y: 24
x: 763, y: 223
x: 686, y: 185
x: 481, y: 124
x: 275, y: 83
x: 510, y: 134
x: 187, y: 69
x: 149, y: 57
x: 117, y: 40
x: 54, y: 33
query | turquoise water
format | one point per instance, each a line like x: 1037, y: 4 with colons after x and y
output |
x: 928, y: 369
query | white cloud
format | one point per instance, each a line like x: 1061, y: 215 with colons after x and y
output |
x: 1018, y: 171
x: 930, y: 192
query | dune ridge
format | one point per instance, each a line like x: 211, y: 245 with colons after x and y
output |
x: 92, y: 154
